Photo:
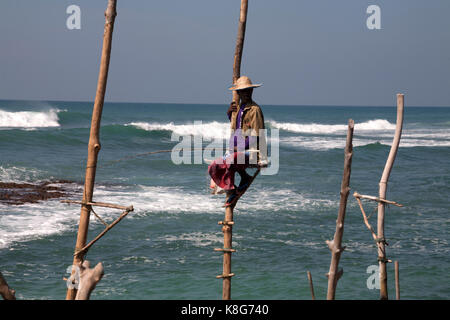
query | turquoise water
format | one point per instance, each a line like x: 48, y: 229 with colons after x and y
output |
x: 164, y: 249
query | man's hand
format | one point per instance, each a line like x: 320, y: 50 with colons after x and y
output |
x: 263, y: 163
x: 233, y: 108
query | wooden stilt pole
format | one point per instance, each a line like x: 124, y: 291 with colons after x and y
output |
x: 228, y: 222
x: 397, y: 281
x: 335, y: 245
x: 94, y: 140
x: 382, y: 195
x: 239, y: 46
x: 227, y: 230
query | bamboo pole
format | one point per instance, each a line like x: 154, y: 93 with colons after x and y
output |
x: 227, y: 227
x: 94, y: 140
x: 397, y: 280
x: 335, y: 245
x: 382, y: 195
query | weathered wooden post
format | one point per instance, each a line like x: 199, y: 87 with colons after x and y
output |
x: 382, y: 195
x: 397, y: 281
x: 227, y: 224
x: 94, y: 139
x: 335, y: 245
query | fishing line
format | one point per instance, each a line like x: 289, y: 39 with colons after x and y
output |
x: 111, y: 162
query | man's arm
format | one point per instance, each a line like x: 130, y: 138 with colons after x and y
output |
x: 231, y: 109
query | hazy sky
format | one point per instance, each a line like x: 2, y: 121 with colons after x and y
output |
x: 305, y: 52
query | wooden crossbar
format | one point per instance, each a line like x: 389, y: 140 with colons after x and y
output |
x: 101, y: 234
x: 225, y: 276
x: 125, y: 210
x: 224, y: 250
x: 226, y: 223
x: 100, y: 204
x: 361, y: 196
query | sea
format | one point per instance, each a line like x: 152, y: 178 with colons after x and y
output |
x: 164, y: 249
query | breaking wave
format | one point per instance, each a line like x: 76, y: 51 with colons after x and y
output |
x: 317, y: 128
x: 313, y: 136
x: 29, y: 119
x: 209, y: 130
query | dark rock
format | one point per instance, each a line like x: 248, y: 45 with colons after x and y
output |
x: 20, y: 193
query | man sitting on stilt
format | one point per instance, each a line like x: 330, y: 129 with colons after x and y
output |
x: 245, y: 143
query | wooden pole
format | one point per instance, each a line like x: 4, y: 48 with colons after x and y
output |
x: 239, y: 46
x: 397, y: 280
x: 311, y: 286
x: 88, y: 279
x: 382, y: 195
x: 94, y: 140
x: 335, y: 245
x: 227, y: 230
x: 227, y: 227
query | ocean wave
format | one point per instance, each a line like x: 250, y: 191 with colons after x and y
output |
x: 175, y: 200
x: 410, y: 143
x: 317, y: 128
x: 315, y: 136
x: 19, y: 223
x: 29, y: 119
x: 209, y: 130
x: 428, y: 134
x: 327, y: 143
x: 197, y: 239
x: 221, y: 130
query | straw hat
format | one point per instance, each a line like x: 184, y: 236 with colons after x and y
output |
x: 244, y: 83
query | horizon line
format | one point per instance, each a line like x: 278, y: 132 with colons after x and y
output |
x: 221, y: 104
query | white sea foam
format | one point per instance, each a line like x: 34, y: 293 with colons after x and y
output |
x: 325, y: 137
x: 409, y: 143
x: 197, y: 239
x: 29, y: 119
x: 374, y: 125
x: 208, y: 130
x: 18, y: 174
x: 35, y: 221
x: 317, y: 128
x: 177, y: 200
x: 428, y: 134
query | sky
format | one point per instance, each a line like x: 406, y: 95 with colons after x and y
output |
x: 305, y: 52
